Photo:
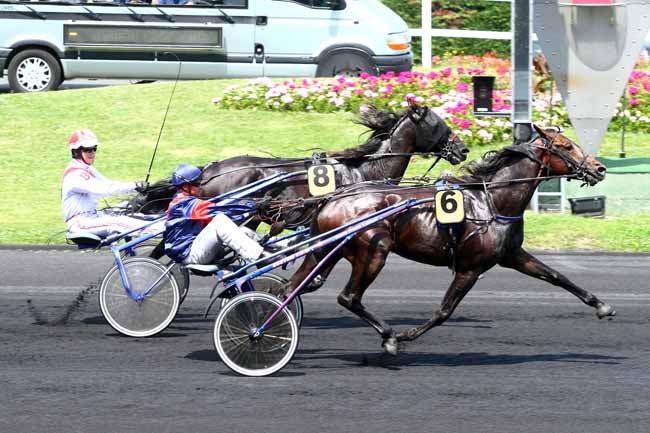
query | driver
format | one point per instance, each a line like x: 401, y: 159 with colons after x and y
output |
x: 83, y: 185
x: 198, y: 230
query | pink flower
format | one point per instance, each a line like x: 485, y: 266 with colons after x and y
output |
x: 461, y: 87
x: 465, y: 124
x: 633, y: 102
x: 455, y: 120
x: 446, y: 72
x: 364, y: 75
x: 460, y: 70
x: 633, y: 90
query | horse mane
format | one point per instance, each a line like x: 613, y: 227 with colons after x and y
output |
x: 380, y: 122
x: 488, y: 165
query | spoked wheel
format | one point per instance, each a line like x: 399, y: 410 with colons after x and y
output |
x: 238, y: 346
x: 148, y: 316
x: 149, y: 248
x: 268, y: 283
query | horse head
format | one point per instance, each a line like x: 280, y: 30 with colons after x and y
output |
x: 155, y: 199
x: 433, y: 135
x: 561, y: 156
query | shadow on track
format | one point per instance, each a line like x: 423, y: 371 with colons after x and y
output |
x: 353, y: 322
x: 406, y: 359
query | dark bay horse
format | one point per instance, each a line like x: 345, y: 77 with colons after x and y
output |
x: 496, y: 193
x: 385, y: 155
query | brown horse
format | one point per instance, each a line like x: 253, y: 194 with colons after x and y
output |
x: 496, y: 193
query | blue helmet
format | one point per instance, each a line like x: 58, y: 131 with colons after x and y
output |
x: 185, y: 173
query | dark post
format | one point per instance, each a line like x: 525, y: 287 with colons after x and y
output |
x: 483, y: 87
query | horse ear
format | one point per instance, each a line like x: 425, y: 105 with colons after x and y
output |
x: 540, y: 131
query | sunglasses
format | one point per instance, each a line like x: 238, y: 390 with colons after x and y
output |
x: 89, y: 149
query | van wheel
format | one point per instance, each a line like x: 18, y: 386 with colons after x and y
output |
x: 34, y: 71
x: 346, y: 64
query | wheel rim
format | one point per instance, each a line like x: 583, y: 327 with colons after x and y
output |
x: 139, y: 319
x: 33, y: 74
x: 255, y: 356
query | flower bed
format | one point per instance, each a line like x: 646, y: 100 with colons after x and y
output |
x: 447, y: 90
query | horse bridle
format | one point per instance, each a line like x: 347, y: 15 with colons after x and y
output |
x: 446, y: 150
x: 579, y: 168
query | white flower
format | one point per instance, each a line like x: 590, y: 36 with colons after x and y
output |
x: 309, y: 108
x: 236, y: 98
x: 363, y: 109
x: 404, y: 104
x: 346, y: 93
x: 287, y: 99
x: 391, y: 103
x: 467, y: 132
x: 506, y: 136
x: 216, y: 100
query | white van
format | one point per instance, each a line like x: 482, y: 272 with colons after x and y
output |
x: 43, y: 43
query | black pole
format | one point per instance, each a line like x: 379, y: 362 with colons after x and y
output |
x: 178, y: 75
x: 621, y: 154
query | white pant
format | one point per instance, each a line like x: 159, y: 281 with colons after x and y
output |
x: 221, y: 231
x: 103, y: 225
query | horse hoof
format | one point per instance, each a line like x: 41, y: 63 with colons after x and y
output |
x: 390, y: 345
x: 605, y: 310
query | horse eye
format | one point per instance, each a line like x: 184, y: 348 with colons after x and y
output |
x: 569, y: 146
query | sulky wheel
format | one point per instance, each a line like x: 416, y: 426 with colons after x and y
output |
x: 154, y: 248
x: 154, y: 312
x: 243, y: 351
x: 269, y: 283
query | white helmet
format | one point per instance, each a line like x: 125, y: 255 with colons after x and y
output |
x: 82, y: 138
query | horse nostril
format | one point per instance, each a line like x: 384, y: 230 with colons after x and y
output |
x: 464, y: 151
x: 602, y: 169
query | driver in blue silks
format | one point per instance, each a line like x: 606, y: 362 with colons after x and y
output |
x: 196, y: 230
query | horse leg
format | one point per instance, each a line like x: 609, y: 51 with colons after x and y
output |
x: 524, y: 262
x: 460, y: 286
x: 365, y: 268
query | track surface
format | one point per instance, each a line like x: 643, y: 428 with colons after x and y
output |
x: 519, y: 355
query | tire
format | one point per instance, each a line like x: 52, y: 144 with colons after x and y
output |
x: 34, y: 71
x: 246, y: 354
x: 346, y: 64
x: 148, y: 248
x: 266, y: 283
x: 152, y: 314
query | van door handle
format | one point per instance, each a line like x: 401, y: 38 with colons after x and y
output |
x: 262, y: 21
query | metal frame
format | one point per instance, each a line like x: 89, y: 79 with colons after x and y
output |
x: 117, y: 247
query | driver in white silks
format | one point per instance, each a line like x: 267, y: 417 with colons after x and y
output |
x: 83, y: 186
x: 198, y: 230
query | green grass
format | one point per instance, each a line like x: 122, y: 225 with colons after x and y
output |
x: 34, y: 130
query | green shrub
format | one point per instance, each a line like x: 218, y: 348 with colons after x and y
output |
x: 454, y: 14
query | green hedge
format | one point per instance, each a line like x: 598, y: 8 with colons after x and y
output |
x: 462, y: 15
